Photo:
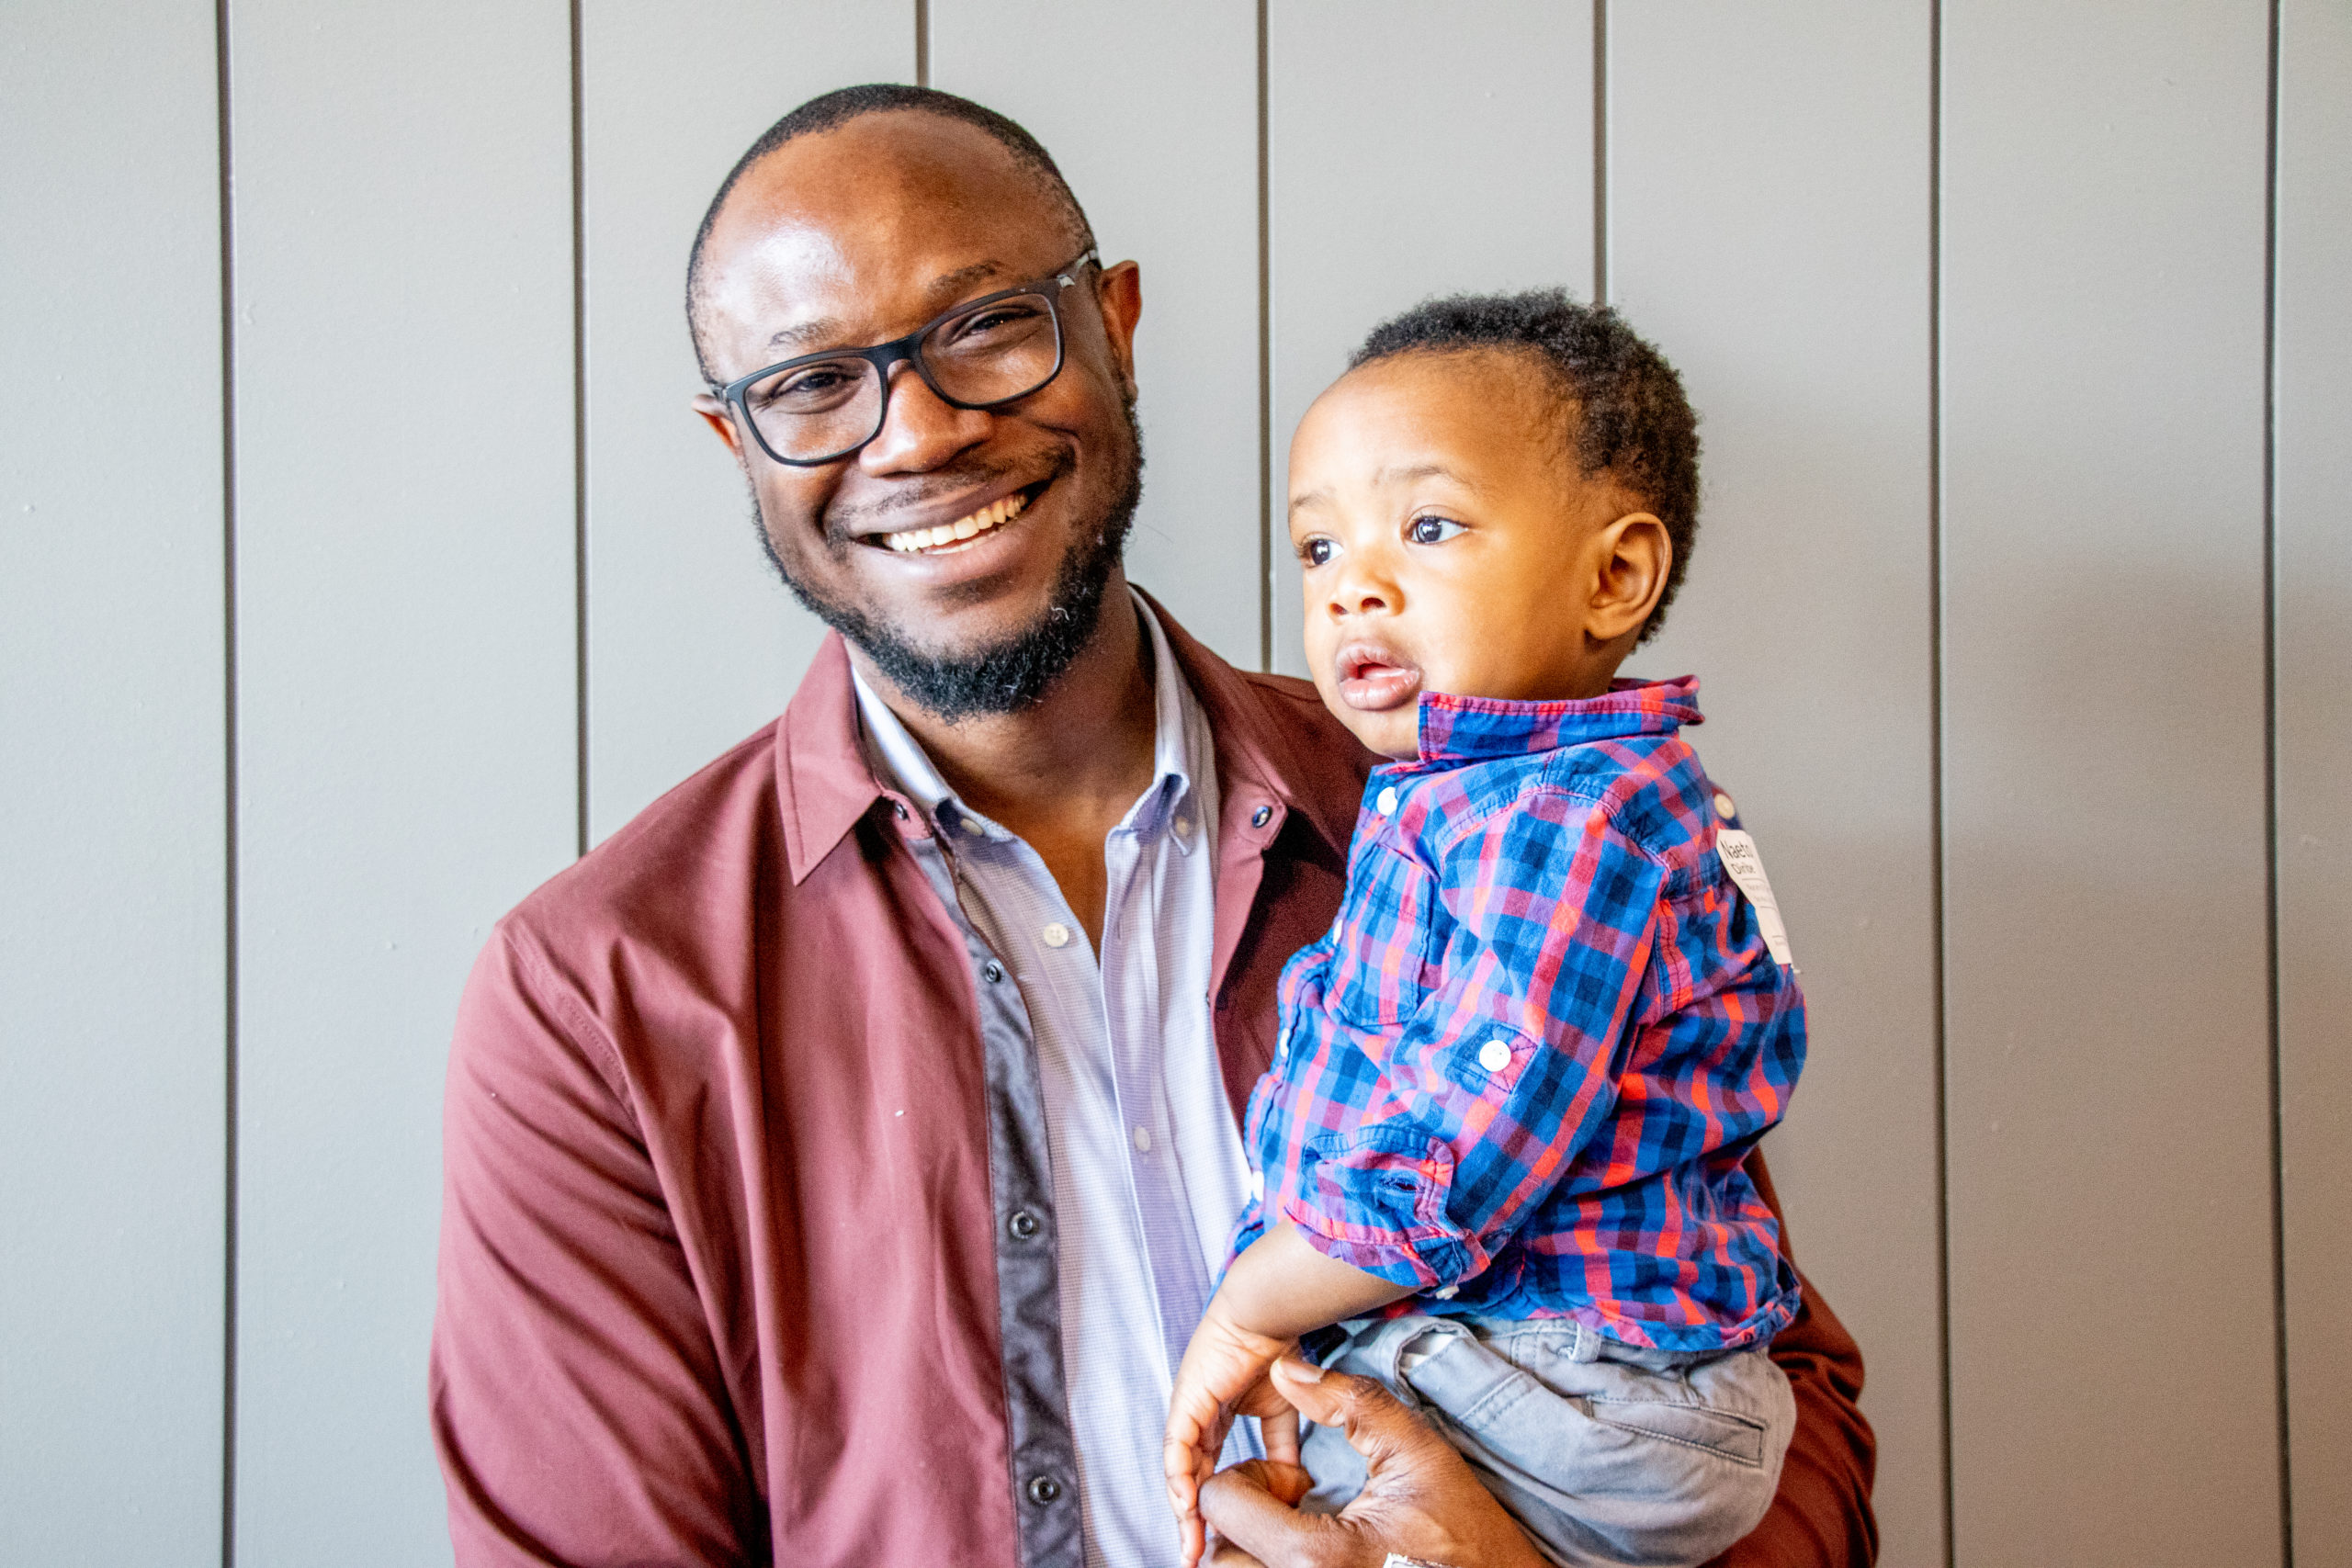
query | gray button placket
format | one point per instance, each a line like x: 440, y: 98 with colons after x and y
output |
x: 1044, y: 1456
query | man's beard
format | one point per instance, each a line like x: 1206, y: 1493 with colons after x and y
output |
x: 1015, y: 671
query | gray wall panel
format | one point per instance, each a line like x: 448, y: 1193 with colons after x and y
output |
x: 112, y: 772
x: 407, y: 702
x: 2109, y: 1114
x: 406, y: 690
x: 1151, y: 113
x: 692, y: 642
x: 2315, y: 652
x: 1771, y: 236
x: 1405, y: 159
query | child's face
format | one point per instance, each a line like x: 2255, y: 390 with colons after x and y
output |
x: 1449, y: 546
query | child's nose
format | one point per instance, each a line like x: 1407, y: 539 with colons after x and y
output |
x: 1363, y: 590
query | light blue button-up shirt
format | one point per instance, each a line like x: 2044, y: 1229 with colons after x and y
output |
x: 1147, y: 1167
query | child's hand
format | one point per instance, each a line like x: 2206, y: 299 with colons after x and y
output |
x: 1223, y: 1375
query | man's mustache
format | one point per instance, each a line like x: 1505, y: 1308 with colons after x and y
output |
x: 847, y: 524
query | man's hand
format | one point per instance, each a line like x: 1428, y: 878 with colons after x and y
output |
x: 1419, y: 1497
x: 1223, y: 1374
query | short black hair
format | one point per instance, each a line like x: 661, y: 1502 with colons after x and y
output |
x: 842, y: 105
x: 1625, y: 413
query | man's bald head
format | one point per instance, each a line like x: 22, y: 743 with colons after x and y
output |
x: 837, y: 109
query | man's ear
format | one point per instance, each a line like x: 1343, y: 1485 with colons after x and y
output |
x: 1120, y: 289
x: 715, y: 414
x: 1633, y: 555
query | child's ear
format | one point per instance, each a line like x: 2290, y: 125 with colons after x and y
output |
x: 1634, y: 554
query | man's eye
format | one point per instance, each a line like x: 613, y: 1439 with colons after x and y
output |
x: 811, y: 385
x: 1317, y: 552
x: 1431, y: 530
x: 1006, y: 319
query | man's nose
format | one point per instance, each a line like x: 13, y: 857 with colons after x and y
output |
x: 920, y: 431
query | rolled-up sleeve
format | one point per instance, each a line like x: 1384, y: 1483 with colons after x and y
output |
x: 577, y: 1406
x: 1501, y: 1073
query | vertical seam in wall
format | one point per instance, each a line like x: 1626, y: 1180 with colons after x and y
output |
x: 1600, y: 152
x: 1936, y: 746
x: 229, y: 791
x: 1265, y: 367
x: 579, y: 446
x: 922, y: 43
x: 2270, y: 791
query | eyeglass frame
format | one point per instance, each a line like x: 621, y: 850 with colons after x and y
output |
x: 886, y: 357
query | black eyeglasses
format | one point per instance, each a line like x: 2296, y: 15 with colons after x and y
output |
x: 983, y: 354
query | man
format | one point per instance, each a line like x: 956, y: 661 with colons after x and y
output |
x: 837, y: 1157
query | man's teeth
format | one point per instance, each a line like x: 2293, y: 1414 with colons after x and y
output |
x: 980, y: 522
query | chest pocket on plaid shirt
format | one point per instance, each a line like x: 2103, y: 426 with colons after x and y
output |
x: 1380, y: 962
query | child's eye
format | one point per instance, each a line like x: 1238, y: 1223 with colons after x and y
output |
x: 1431, y: 530
x: 1318, y: 551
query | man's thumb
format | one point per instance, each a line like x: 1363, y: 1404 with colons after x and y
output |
x: 1373, y: 1422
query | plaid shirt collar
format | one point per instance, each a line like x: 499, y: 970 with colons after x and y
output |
x: 1468, y: 729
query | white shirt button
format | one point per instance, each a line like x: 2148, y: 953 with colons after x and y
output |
x: 1447, y: 1293
x: 1724, y: 807
x: 1142, y: 1141
x: 1495, y: 1055
x: 1387, y: 801
x: 972, y: 826
x: 1258, y: 1185
x: 1184, y: 827
x: 1055, y: 934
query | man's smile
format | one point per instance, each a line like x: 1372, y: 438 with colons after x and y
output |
x: 952, y: 536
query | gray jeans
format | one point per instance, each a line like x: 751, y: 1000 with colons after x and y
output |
x: 1606, y: 1453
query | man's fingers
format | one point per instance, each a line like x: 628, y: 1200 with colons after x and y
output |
x: 1375, y: 1424
x: 1239, y: 1502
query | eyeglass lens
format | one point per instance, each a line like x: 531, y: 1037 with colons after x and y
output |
x: 994, y: 353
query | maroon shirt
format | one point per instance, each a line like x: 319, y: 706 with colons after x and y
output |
x: 732, y: 1143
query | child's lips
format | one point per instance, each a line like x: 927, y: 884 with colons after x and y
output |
x: 1374, y: 678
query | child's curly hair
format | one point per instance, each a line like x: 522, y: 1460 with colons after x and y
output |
x: 1624, y: 412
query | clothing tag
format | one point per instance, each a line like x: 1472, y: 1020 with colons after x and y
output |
x: 1747, y: 867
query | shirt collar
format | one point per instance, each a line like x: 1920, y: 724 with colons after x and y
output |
x: 1461, y: 729
x: 1179, y: 741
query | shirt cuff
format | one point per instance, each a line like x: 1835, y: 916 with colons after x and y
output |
x: 1378, y: 1203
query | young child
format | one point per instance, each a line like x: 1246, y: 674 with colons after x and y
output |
x: 1501, y: 1142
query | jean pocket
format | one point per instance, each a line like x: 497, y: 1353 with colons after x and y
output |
x: 1735, y: 1437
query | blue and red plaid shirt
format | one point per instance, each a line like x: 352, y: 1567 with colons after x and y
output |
x: 1520, y: 1072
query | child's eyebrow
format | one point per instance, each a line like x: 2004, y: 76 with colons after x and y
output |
x: 1393, y: 474
x: 1398, y: 471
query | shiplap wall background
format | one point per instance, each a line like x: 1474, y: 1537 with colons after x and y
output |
x: 360, y: 561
